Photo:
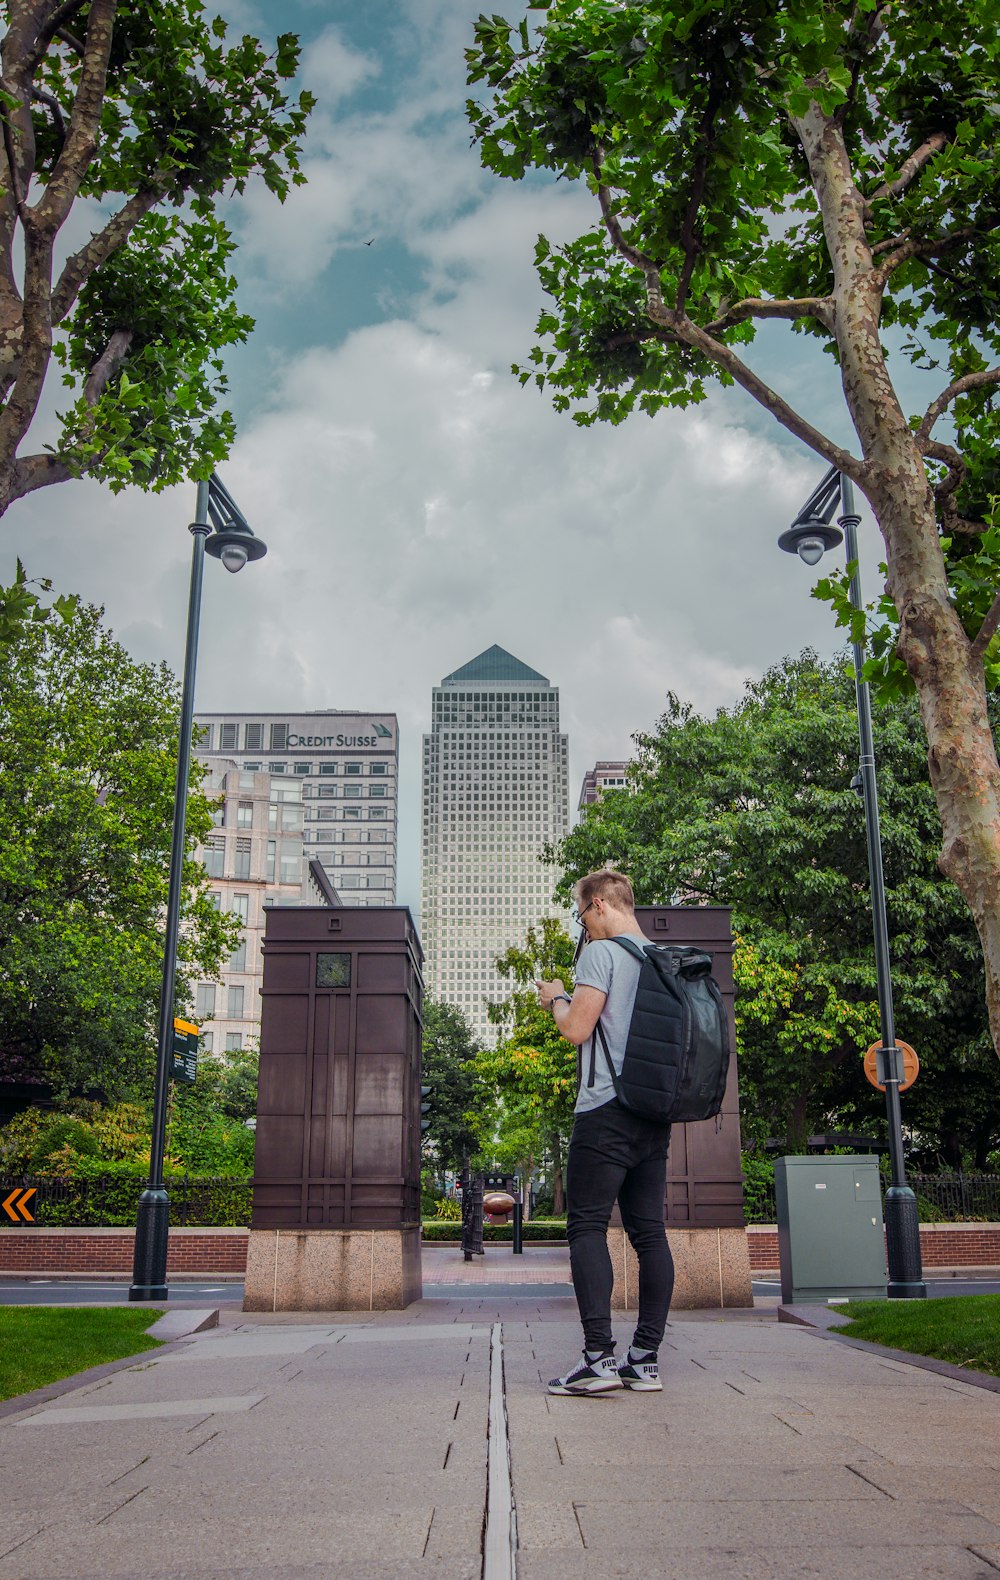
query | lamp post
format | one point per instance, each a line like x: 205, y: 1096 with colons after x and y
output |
x: 219, y: 529
x: 809, y: 536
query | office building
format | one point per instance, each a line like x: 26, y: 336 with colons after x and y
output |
x: 495, y: 793
x: 603, y: 776
x: 343, y: 766
x: 254, y: 858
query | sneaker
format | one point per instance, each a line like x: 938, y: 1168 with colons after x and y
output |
x: 590, y: 1376
x: 642, y: 1374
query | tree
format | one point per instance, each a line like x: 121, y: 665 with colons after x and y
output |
x: 448, y: 1050
x: 88, y: 742
x: 141, y: 111
x: 753, y: 808
x: 529, y: 1080
x: 834, y: 166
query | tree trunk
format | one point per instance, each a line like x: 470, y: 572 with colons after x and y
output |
x: 558, y: 1193
x: 948, y: 676
x: 797, y: 1130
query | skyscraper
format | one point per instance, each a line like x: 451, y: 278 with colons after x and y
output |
x: 494, y: 793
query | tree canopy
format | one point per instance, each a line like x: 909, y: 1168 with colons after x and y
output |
x: 88, y: 743
x: 828, y: 164
x: 753, y: 808
x: 141, y: 115
x: 448, y: 1049
x: 527, y: 1083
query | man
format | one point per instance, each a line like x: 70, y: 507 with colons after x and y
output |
x: 613, y: 1154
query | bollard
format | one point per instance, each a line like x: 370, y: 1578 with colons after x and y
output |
x: 518, y: 1220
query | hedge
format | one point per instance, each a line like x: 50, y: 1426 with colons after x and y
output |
x: 537, y: 1229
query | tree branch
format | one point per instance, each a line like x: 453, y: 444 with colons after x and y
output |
x: 689, y: 239
x: 631, y: 254
x: 725, y: 357
x: 53, y: 104
x: 910, y: 168
x: 81, y: 140
x: 80, y: 266
x: 819, y: 307
x: 962, y: 386
x: 53, y: 28
x: 987, y: 631
x: 107, y: 365
x: 915, y: 248
x: 32, y: 472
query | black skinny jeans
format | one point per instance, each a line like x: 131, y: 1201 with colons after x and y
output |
x: 614, y: 1154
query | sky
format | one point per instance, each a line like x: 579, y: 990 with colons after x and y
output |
x: 417, y: 503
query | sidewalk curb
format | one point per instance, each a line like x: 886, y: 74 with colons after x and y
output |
x: 824, y: 1323
x: 22, y: 1403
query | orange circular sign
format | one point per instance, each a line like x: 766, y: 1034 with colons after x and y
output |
x: 911, y: 1065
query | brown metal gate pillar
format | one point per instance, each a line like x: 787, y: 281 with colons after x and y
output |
x: 704, y: 1208
x: 336, y: 1200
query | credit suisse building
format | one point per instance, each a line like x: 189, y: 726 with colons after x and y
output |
x: 344, y: 767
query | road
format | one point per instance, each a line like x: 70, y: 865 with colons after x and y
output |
x: 68, y: 1292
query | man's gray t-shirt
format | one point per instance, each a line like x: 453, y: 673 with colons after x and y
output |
x: 612, y: 970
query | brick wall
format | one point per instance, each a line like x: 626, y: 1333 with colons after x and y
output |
x: 213, y: 1251
x: 208, y: 1251
x: 941, y: 1245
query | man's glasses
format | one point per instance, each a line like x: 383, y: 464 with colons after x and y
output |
x: 579, y: 915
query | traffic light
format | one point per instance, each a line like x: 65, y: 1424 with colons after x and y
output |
x: 425, y: 1108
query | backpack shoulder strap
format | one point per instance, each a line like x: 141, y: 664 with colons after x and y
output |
x: 631, y: 947
x: 615, y: 1077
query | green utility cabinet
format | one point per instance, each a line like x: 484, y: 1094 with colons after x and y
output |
x: 831, y: 1241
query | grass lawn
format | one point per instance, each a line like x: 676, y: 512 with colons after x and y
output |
x: 40, y: 1344
x: 963, y: 1329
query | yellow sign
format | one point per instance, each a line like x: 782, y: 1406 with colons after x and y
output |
x: 16, y: 1205
x: 186, y: 1026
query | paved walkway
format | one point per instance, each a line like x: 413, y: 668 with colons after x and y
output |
x: 354, y: 1448
x: 537, y: 1264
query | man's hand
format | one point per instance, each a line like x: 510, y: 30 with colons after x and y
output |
x: 547, y: 991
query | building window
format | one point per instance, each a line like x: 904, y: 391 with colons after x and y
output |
x: 254, y: 738
x: 215, y: 899
x: 246, y: 778
x: 238, y: 958
x: 328, y: 768
x: 244, y: 814
x: 352, y: 768
x: 352, y: 814
x: 234, y: 1041
x: 272, y: 855
x: 241, y: 905
x: 219, y: 815
x: 242, y: 869
x: 352, y: 790
x: 205, y: 1041
x: 228, y: 737
x: 279, y: 738
x: 234, y: 1005
x: 378, y: 768
x: 204, y: 1001
x: 291, y: 862
x: 303, y: 768
x: 276, y: 768
x: 377, y: 789
x: 377, y: 811
x: 207, y: 738
x: 215, y: 858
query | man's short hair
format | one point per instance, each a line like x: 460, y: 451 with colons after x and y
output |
x: 611, y: 887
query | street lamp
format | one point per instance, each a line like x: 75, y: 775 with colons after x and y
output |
x: 219, y: 529
x: 809, y: 536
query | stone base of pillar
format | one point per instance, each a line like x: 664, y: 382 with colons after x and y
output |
x: 332, y: 1269
x: 712, y: 1269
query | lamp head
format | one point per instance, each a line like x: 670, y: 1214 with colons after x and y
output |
x: 809, y: 538
x: 234, y: 546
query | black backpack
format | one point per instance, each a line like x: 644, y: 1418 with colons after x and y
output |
x: 677, y: 1052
